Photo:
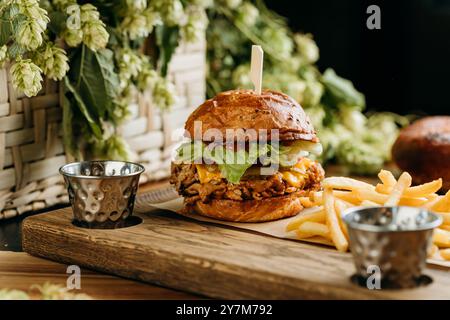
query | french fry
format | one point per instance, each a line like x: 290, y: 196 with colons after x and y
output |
x: 383, y: 188
x: 341, y: 193
x: 432, y: 202
x: 371, y: 195
x: 306, y: 202
x: 445, y: 217
x: 349, y: 197
x: 310, y: 229
x: 441, y: 238
x: 445, y: 253
x: 344, y: 183
x: 416, y: 191
x: 387, y: 178
x: 432, y: 196
x: 397, y: 190
x: 336, y: 233
x: 368, y: 203
x: 412, y: 202
x: 340, y: 207
x: 317, y: 198
x: 433, y: 250
x: 317, y: 216
x: 443, y: 204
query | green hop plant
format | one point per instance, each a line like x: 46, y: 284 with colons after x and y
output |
x: 171, y: 11
x: 95, y: 36
x: 137, y: 4
x: 53, y: 61
x: 73, y: 37
x: 135, y: 25
x: 313, y: 93
x: 148, y: 77
x: 202, y: 3
x: 26, y: 77
x: 29, y: 35
x: 130, y: 64
x: 3, y: 55
x: 279, y: 39
x: 352, y: 118
x: 359, y: 157
x: 196, y: 24
x: 140, y: 24
x: 232, y: 4
x: 31, y: 28
x: 6, y: 294
x: 307, y: 47
x: 247, y: 14
x: 89, y: 13
x: 164, y: 94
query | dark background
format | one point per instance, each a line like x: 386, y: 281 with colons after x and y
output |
x: 404, y: 67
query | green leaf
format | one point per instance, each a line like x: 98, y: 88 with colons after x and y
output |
x: 167, y: 39
x: 16, y: 50
x: 57, y: 21
x: 96, y: 130
x: 341, y: 91
x: 190, y: 151
x: 16, y: 21
x: 96, y: 79
x: 232, y: 164
x: 105, y: 59
x: 5, y: 32
x: 14, y: 10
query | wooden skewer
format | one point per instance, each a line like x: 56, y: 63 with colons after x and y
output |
x: 256, y: 67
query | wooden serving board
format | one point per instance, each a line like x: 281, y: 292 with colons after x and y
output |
x: 212, y: 260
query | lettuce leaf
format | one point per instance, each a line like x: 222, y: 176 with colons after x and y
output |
x: 233, y: 164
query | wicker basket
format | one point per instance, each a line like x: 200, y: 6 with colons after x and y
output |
x: 151, y: 134
x: 31, y: 149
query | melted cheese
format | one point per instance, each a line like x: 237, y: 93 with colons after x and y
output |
x: 296, y: 175
x: 205, y: 175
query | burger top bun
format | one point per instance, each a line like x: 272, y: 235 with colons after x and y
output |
x: 245, y: 109
x: 423, y: 149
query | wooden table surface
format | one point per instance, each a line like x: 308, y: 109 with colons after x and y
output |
x: 19, y: 270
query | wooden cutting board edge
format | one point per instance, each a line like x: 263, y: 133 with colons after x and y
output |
x: 44, y: 236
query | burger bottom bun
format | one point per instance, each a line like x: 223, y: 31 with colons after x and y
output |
x: 266, y: 209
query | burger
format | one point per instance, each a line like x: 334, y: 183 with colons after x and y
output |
x: 247, y: 157
x: 423, y: 149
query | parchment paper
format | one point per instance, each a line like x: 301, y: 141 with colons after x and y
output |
x: 168, y: 199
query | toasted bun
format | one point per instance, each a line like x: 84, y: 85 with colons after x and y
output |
x: 244, y: 109
x: 249, y: 210
x: 423, y: 149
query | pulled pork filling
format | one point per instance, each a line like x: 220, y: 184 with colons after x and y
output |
x: 191, y: 184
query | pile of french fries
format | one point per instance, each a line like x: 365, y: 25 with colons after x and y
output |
x: 341, y: 193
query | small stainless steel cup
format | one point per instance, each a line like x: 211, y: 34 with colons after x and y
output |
x: 394, y: 239
x: 102, y: 193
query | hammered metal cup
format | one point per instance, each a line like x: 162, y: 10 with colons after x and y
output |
x: 102, y: 193
x: 394, y: 239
